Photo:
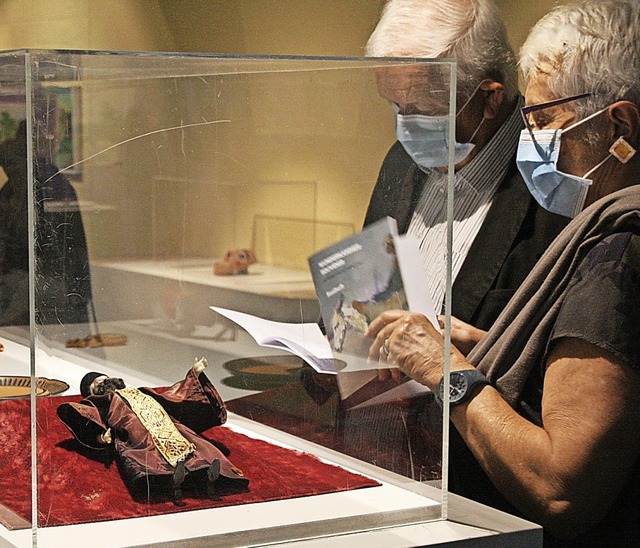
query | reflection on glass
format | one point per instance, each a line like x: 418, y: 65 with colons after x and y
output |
x: 164, y: 185
x: 63, y: 285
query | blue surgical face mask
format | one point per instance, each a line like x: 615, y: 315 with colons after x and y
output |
x: 426, y: 138
x: 537, y: 160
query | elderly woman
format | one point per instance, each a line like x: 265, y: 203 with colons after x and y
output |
x: 548, y: 404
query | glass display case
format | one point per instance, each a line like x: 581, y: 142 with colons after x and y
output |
x: 138, y: 191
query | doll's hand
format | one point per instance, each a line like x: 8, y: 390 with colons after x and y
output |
x: 200, y: 365
x: 106, y: 437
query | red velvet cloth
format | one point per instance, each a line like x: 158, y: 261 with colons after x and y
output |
x: 75, y: 486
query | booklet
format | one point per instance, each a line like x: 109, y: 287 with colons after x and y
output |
x: 305, y: 340
x: 359, y: 277
x: 355, y: 279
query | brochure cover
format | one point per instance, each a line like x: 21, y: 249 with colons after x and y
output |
x: 362, y: 275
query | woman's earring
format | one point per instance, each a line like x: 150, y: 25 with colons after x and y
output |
x: 622, y: 150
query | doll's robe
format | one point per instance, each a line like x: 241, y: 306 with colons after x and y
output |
x: 192, y: 405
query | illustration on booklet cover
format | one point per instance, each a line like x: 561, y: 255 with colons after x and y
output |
x: 356, y: 279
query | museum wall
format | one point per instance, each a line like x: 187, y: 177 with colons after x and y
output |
x: 337, y: 196
x: 84, y: 24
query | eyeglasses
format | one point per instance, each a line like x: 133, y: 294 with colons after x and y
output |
x: 526, y: 111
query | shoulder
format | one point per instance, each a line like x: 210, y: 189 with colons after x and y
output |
x: 621, y: 247
x: 397, y: 157
x: 538, y: 223
x: 515, y: 211
x: 614, y: 259
x: 602, y: 302
x: 394, y: 169
x: 397, y: 188
x: 613, y: 256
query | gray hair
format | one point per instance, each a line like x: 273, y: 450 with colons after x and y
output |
x: 590, y: 46
x: 471, y: 31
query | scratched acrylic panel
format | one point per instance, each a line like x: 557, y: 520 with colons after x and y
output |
x: 162, y: 185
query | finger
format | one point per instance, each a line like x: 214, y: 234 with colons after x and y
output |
x: 384, y: 350
x: 381, y: 347
x: 384, y: 374
x: 385, y: 347
x: 378, y: 351
x: 388, y: 354
x: 385, y: 340
x: 379, y: 323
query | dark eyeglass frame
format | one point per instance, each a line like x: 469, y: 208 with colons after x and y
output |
x: 525, y: 111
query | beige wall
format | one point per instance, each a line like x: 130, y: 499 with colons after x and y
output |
x: 287, y: 27
x: 279, y: 27
x: 84, y: 24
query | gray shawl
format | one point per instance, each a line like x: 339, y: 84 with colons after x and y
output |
x: 518, y: 341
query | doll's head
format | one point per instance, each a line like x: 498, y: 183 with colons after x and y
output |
x: 98, y: 384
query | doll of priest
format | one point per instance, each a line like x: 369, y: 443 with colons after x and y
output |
x: 154, y: 434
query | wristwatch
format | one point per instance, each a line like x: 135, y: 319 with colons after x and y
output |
x: 461, y: 385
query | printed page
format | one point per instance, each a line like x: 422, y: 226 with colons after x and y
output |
x: 305, y: 340
x: 413, y: 277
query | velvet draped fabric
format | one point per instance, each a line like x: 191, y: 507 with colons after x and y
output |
x: 76, y: 486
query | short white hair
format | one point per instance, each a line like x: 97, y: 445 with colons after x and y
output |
x: 590, y: 46
x: 470, y: 31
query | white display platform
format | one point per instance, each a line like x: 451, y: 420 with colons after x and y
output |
x: 188, y: 287
x: 390, y: 514
x: 261, y: 279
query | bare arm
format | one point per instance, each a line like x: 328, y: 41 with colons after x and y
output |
x: 567, y: 475
x: 564, y: 475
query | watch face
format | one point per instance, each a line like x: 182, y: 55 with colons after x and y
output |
x: 460, y: 385
x: 457, y: 386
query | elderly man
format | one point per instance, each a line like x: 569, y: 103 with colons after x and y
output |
x: 499, y: 230
x: 548, y: 404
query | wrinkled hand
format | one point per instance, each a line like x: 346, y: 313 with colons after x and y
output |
x: 410, y: 341
x: 463, y: 335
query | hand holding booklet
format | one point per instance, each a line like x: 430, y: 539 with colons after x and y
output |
x: 355, y: 279
x: 358, y: 278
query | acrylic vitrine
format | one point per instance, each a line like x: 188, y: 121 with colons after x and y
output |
x: 138, y: 191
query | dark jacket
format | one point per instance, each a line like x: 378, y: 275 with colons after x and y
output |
x: 62, y: 276
x: 512, y: 238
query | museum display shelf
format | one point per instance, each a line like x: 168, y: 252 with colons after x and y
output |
x: 283, y: 294
x: 127, y: 176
